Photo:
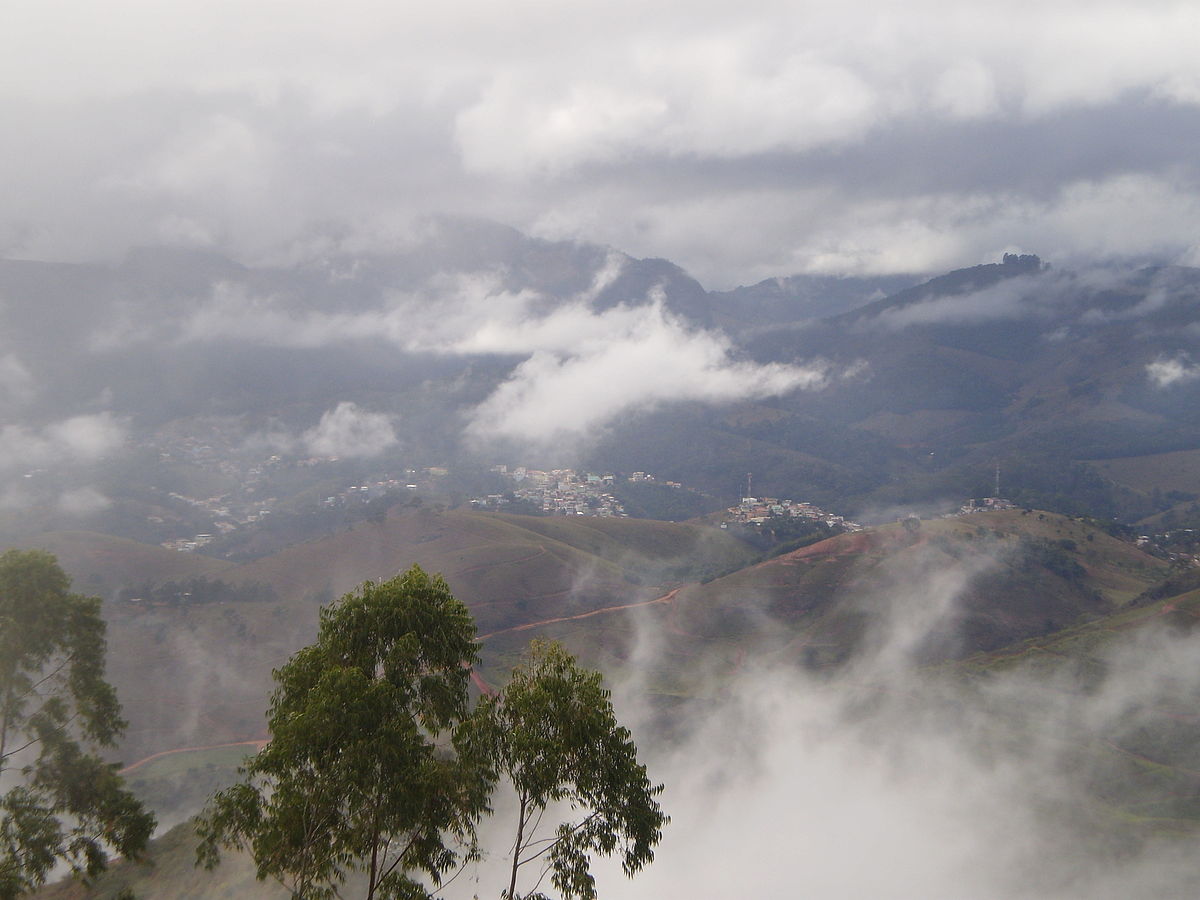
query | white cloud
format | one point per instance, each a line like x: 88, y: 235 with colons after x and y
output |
x: 245, y: 130
x: 1167, y: 371
x: 581, y: 367
x: 585, y: 369
x: 83, y: 501
x: 83, y: 438
x: 1019, y: 297
x: 887, y: 779
x: 349, y: 431
x: 703, y: 96
x: 966, y: 90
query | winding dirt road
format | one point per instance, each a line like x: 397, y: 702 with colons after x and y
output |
x: 665, y: 598
x: 257, y: 745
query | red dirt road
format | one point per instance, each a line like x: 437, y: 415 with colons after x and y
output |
x: 665, y: 598
x: 257, y: 745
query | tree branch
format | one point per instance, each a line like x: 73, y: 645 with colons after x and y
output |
x: 562, y: 837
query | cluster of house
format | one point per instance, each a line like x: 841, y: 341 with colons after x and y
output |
x: 227, y: 516
x: 1181, y: 545
x: 369, y: 490
x: 563, y: 492
x: 758, y: 510
x: 984, y: 505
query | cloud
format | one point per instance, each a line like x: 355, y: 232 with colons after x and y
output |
x: 84, y: 438
x: 17, y: 386
x: 83, y: 501
x: 586, y: 369
x: 580, y: 367
x: 739, y: 141
x: 1167, y: 370
x: 887, y: 779
x: 349, y: 431
x: 696, y: 96
x: 1013, y: 298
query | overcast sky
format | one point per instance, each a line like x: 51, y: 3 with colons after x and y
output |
x: 740, y: 140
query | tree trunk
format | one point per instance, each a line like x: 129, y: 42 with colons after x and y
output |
x: 512, y: 884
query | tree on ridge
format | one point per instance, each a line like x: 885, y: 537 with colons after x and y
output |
x: 354, y: 778
x: 56, y: 712
x: 376, y: 764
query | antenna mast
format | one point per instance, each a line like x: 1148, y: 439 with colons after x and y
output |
x: 749, y: 483
x: 997, y: 494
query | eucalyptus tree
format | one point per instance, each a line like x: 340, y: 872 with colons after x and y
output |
x: 64, y: 803
x: 552, y: 734
x: 359, y: 776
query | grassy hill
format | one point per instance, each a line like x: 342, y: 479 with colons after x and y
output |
x: 1010, y: 621
x: 170, y: 874
x: 201, y: 673
x: 1125, y: 769
x: 1176, y: 471
x: 100, y: 563
x: 972, y: 583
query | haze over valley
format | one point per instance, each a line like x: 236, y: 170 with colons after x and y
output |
x: 828, y: 378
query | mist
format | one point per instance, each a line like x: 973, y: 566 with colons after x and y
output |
x: 276, y: 276
x: 892, y: 779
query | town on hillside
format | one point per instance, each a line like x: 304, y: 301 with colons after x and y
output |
x: 760, y: 511
x: 561, y: 492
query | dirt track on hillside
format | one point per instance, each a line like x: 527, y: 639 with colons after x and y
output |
x: 257, y: 745
x: 665, y: 598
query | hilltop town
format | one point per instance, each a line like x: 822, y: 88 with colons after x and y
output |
x: 760, y: 511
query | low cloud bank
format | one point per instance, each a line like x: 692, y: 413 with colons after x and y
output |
x: 625, y: 359
x: 579, y: 367
x: 347, y: 431
x: 83, y: 438
x: 891, y: 782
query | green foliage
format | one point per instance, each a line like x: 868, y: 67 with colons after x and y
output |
x: 56, y: 710
x: 375, y: 766
x: 650, y: 500
x: 199, y: 589
x: 353, y: 779
x: 1052, y: 555
x: 553, y: 735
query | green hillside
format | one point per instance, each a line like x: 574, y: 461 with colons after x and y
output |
x: 101, y: 563
x: 201, y: 673
x: 1004, y: 576
x: 1001, y: 598
x: 170, y: 874
x: 1177, y: 471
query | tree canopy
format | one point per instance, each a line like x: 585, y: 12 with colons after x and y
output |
x: 553, y: 735
x: 56, y: 712
x: 354, y: 778
x: 377, y: 765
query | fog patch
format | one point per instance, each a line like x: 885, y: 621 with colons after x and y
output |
x: 1167, y: 371
x: 639, y: 358
x: 888, y: 780
x: 84, y: 438
x: 349, y: 431
x: 1014, y: 298
x: 577, y: 366
x: 82, y: 501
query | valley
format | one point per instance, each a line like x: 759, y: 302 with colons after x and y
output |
x: 967, y: 536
